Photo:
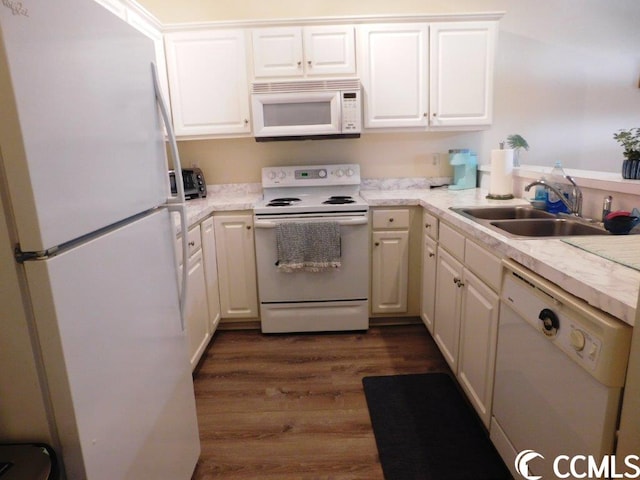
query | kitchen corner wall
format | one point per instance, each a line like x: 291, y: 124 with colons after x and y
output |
x: 566, y: 78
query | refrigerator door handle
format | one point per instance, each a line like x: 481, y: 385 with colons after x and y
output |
x: 175, y: 204
x: 173, y: 144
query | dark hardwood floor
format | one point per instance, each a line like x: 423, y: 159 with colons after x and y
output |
x: 291, y: 406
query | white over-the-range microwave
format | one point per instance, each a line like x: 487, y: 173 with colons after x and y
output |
x: 306, y: 109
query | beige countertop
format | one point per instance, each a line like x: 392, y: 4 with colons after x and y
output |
x: 604, y: 284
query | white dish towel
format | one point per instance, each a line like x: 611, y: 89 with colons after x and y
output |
x: 308, y: 247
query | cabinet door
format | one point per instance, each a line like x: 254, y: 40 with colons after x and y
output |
x: 236, y: 266
x: 329, y: 50
x: 447, y: 309
x: 208, y: 82
x: 394, y: 75
x: 211, y: 273
x: 196, y: 313
x: 461, y: 74
x: 389, y: 268
x: 277, y: 52
x: 478, y: 337
x: 429, y: 265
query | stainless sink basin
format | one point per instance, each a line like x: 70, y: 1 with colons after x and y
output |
x: 527, y: 222
x: 548, y: 227
x: 503, y: 213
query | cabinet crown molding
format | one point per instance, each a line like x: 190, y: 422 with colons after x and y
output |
x: 336, y: 20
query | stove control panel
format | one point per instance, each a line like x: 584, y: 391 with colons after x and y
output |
x: 316, y: 175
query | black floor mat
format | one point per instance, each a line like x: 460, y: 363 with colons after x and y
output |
x: 425, y: 430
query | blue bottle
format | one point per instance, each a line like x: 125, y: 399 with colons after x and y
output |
x: 558, y: 180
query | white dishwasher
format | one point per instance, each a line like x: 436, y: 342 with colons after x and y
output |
x: 560, y: 369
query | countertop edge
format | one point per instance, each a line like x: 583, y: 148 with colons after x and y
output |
x: 614, y: 293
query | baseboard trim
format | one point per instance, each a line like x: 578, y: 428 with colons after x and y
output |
x: 254, y: 324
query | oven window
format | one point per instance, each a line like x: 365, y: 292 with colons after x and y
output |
x: 291, y: 114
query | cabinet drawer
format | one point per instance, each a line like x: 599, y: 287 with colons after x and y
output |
x: 430, y: 223
x: 194, y: 241
x: 390, y: 219
x: 451, y: 241
x: 484, y: 264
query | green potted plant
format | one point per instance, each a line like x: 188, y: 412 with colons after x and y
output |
x: 630, y: 141
x: 516, y: 142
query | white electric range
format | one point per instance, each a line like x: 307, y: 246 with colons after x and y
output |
x: 331, y: 299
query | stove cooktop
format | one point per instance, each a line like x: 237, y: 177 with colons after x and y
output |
x: 311, y: 202
x: 311, y: 189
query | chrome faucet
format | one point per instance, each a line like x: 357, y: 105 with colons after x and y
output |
x: 574, y: 206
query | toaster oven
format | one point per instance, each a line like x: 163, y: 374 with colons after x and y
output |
x: 194, y: 183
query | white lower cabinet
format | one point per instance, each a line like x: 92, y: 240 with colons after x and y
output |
x: 429, y: 268
x: 236, y: 265
x: 466, y: 314
x: 478, y: 337
x: 390, y: 261
x: 446, y: 331
x: 389, y: 267
x: 196, y: 315
x: 211, y: 273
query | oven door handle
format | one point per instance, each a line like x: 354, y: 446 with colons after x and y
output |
x: 347, y: 222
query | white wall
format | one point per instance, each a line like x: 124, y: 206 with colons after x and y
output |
x: 567, y: 78
x: 567, y: 75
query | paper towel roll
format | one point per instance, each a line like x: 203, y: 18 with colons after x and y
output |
x: 501, y: 183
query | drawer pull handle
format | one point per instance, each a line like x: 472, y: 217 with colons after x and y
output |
x: 192, y: 244
x: 377, y: 244
x: 458, y: 282
x: 427, y: 225
x: 432, y: 254
x: 391, y: 220
x: 248, y: 227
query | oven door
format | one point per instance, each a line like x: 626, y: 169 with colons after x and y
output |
x: 336, y: 299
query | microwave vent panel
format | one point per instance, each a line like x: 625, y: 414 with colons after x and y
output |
x: 306, y: 86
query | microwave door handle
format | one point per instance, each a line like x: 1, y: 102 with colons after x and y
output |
x: 177, y: 203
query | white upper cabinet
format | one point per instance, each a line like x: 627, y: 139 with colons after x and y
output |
x: 208, y: 82
x: 393, y: 66
x: 461, y: 74
x: 303, y: 51
x: 429, y: 76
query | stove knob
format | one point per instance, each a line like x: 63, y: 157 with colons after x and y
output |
x: 271, y: 175
x: 577, y: 340
x: 282, y: 174
x: 322, y: 173
x: 350, y: 172
x: 339, y: 173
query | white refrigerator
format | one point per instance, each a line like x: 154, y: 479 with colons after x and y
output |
x: 93, y: 356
